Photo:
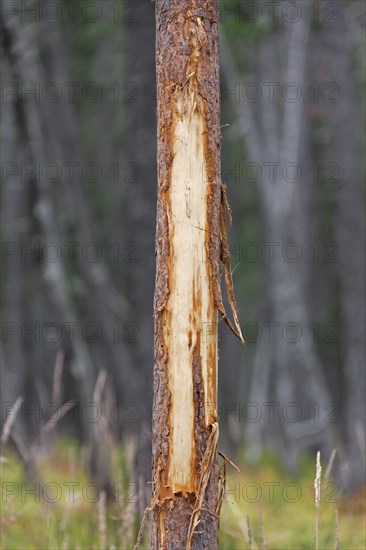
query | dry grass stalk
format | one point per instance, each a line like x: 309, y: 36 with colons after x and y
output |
x: 128, y: 522
x: 9, y: 513
x: 262, y: 540
x: 222, y: 481
x: 317, y: 487
x: 102, y: 521
x: 329, y: 467
x: 129, y: 505
x: 241, y: 525
x: 250, y: 536
x: 141, y: 530
x: 337, y: 532
x: 222, y: 488
x: 63, y: 532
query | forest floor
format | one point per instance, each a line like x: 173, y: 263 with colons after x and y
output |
x: 280, y: 511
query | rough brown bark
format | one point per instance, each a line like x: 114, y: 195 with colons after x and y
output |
x: 190, y: 244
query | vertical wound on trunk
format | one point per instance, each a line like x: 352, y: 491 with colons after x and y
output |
x: 191, y: 317
x: 191, y: 245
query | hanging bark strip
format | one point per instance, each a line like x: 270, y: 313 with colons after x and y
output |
x: 191, y: 243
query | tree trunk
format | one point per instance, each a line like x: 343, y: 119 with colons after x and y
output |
x: 190, y: 241
x: 139, y: 198
x: 292, y: 370
x: 349, y: 230
x: 36, y: 145
x: 15, y: 215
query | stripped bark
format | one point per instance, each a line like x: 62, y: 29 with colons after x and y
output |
x: 191, y: 242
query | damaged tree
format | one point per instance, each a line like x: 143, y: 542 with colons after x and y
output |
x: 191, y: 243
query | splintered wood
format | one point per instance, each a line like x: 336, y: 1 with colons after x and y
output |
x: 190, y: 332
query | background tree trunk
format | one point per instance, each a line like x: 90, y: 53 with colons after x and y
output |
x: 349, y: 232
x: 275, y: 133
x: 139, y: 194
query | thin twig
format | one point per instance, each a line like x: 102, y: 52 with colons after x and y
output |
x: 10, y: 419
x: 228, y: 459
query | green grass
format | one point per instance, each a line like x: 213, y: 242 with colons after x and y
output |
x: 288, y: 511
x: 286, y: 506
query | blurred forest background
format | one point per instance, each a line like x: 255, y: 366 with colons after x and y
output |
x: 78, y: 194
